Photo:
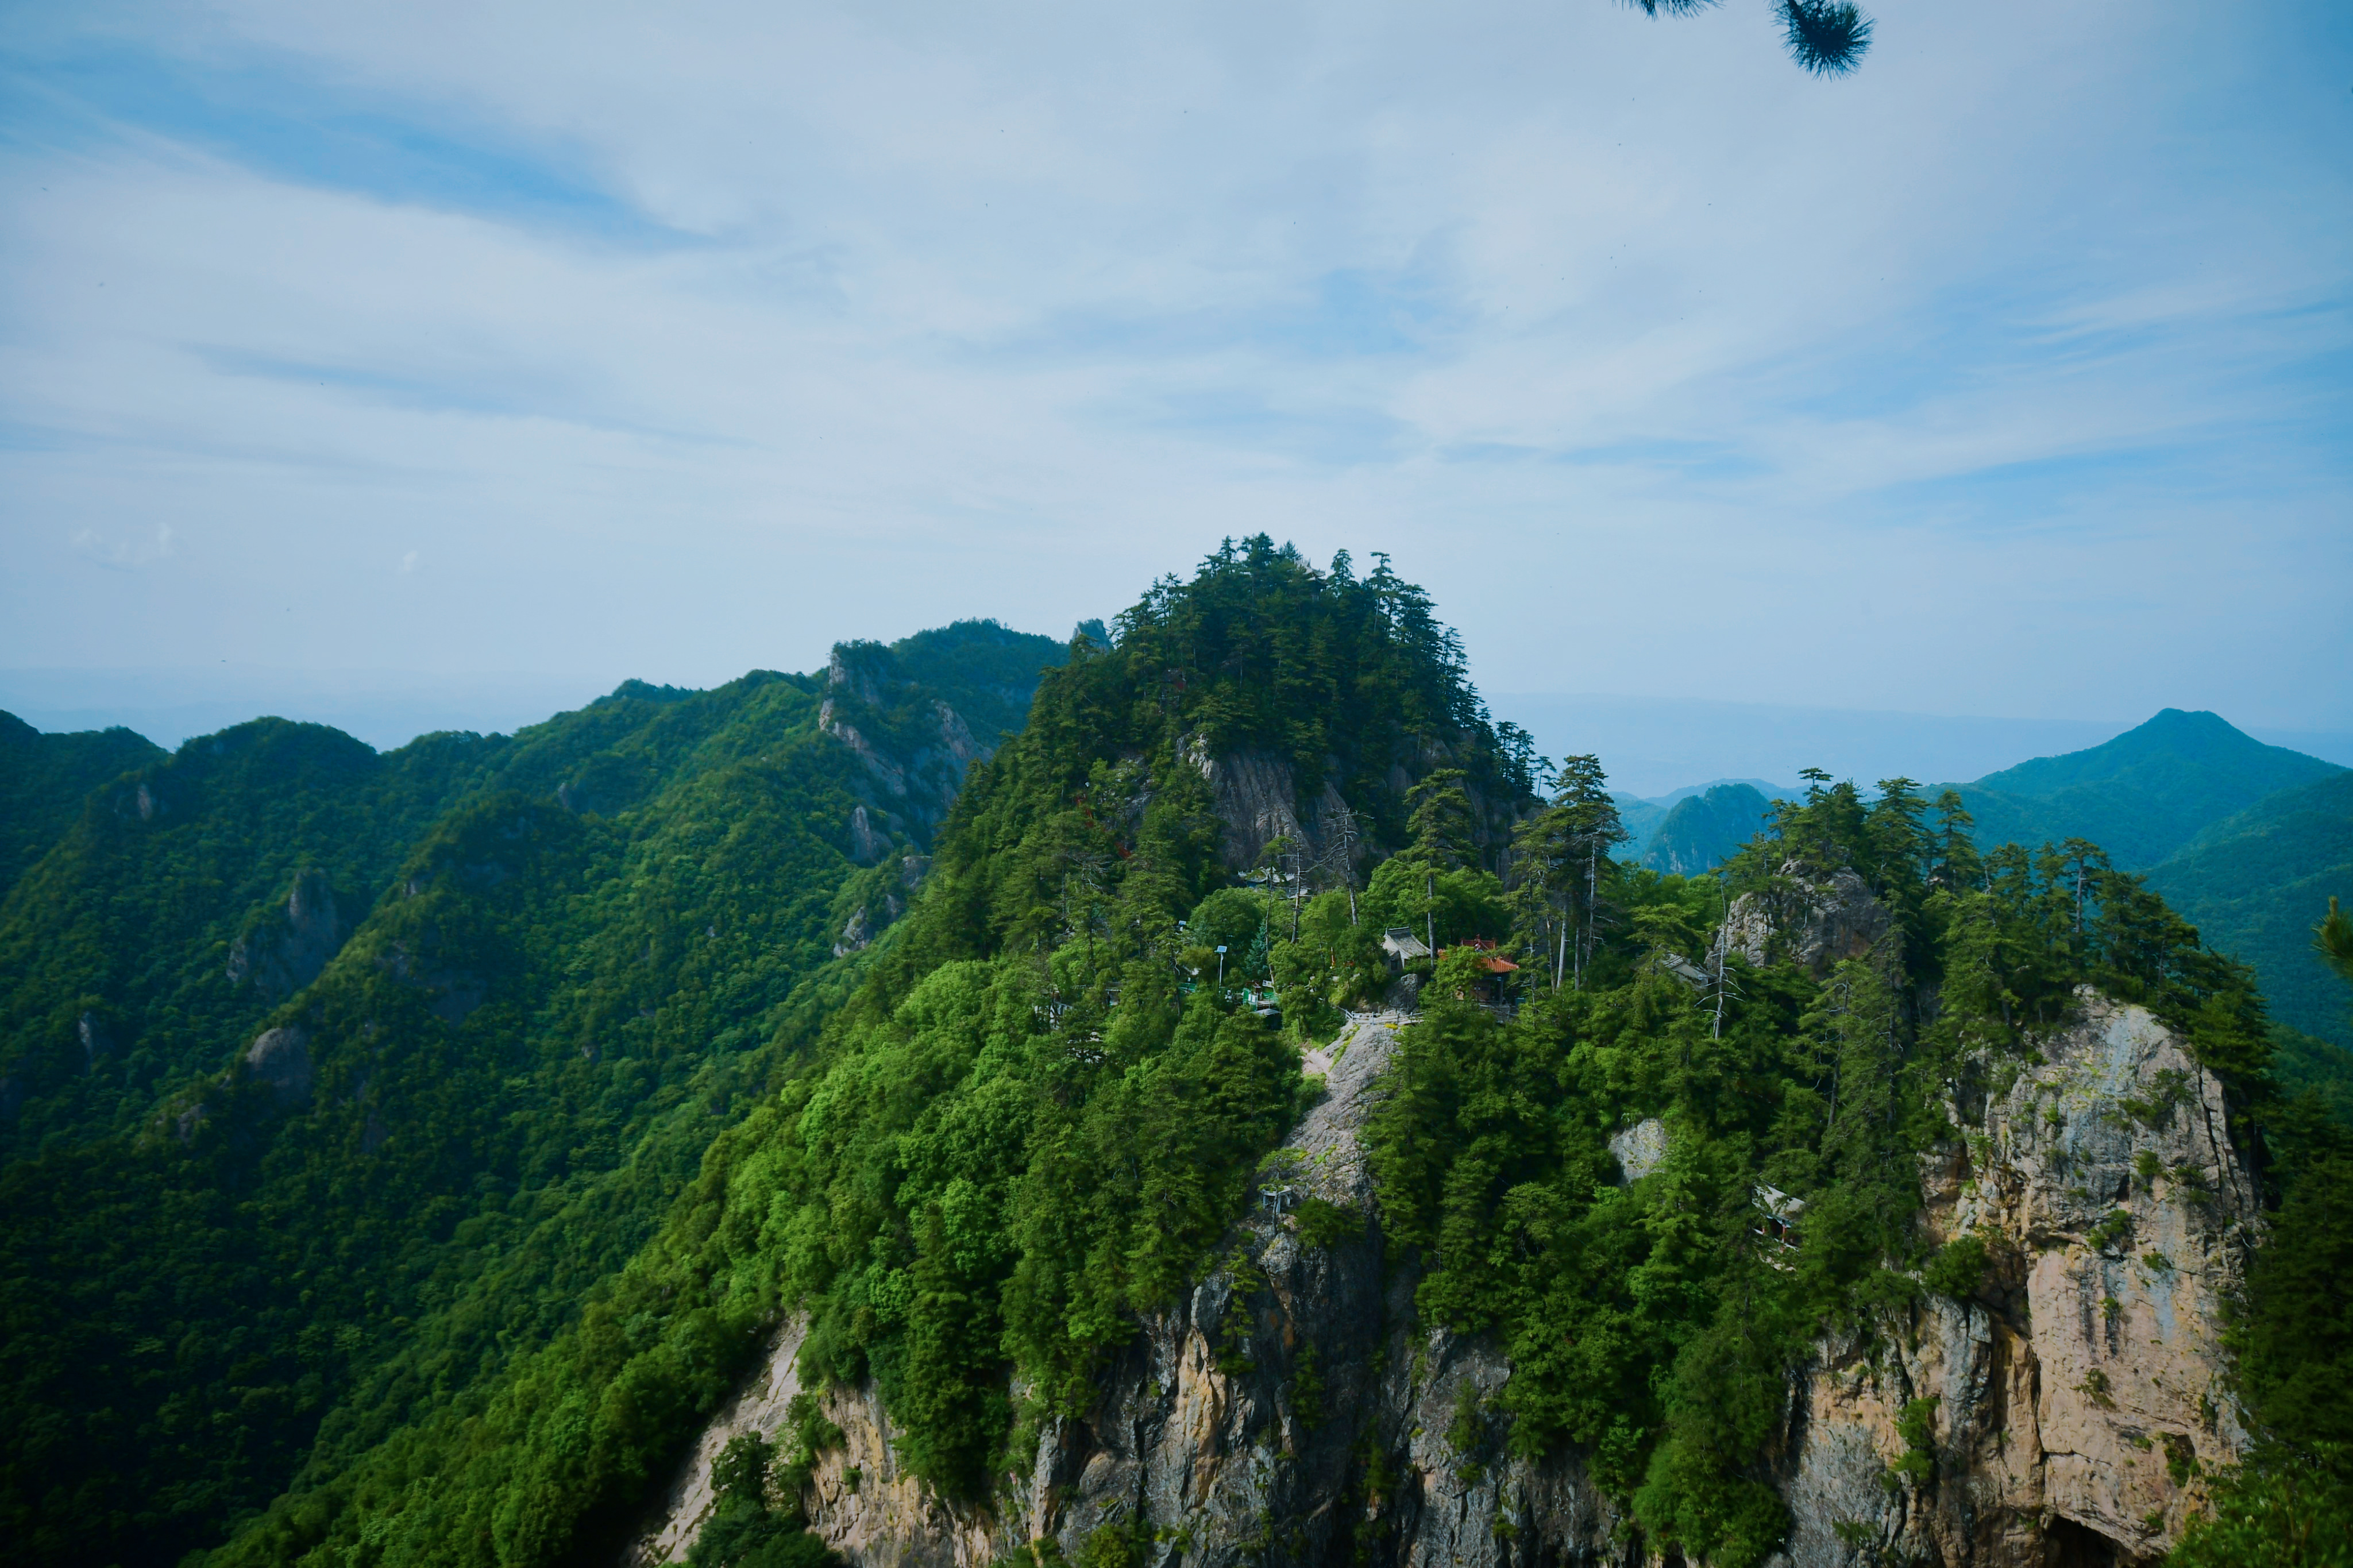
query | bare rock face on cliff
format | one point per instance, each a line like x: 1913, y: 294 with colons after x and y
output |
x: 280, y: 1057
x: 915, y: 750
x: 1286, y: 1405
x: 2079, y: 1396
x: 1289, y: 1409
x: 1257, y: 801
x: 1812, y: 919
x: 278, y: 959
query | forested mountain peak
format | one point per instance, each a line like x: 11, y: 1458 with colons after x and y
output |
x: 2143, y: 794
x: 591, y: 1059
x: 1704, y: 828
x: 2174, y: 739
x: 44, y: 780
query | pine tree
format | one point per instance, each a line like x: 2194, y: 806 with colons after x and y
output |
x: 1827, y: 37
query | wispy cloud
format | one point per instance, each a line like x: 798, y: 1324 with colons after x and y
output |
x: 124, y: 554
x: 1664, y: 364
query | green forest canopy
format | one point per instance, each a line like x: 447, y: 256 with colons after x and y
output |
x: 667, y: 1112
x: 986, y: 1168
x: 535, y: 1018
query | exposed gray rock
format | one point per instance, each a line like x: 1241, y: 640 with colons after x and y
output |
x: 2067, y: 1401
x: 279, y: 959
x: 920, y: 772
x: 90, y: 1030
x: 1810, y: 918
x: 955, y: 739
x: 1255, y: 798
x: 280, y: 1057
x: 866, y: 846
x: 855, y: 935
x: 1638, y: 1149
x: 2082, y: 1382
x: 1208, y: 1423
x: 856, y: 678
x: 887, y: 773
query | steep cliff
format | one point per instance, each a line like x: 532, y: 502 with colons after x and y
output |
x: 2071, y: 1406
x: 1811, y: 917
x: 1288, y: 1408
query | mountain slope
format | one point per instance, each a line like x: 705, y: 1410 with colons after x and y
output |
x: 497, y: 995
x: 43, y: 781
x: 1641, y: 818
x: 1041, y: 1277
x: 1703, y: 831
x: 1022, y: 1129
x: 2142, y: 795
x: 2255, y: 884
x: 1522, y: 1305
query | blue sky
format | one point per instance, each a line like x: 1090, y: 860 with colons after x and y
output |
x: 2007, y: 376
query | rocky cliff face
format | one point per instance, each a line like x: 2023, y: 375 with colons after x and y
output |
x: 1289, y: 1410
x: 279, y: 959
x: 1257, y: 801
x: 1813, y: 918
x: 2080, y: 1395
x: 915, y: 749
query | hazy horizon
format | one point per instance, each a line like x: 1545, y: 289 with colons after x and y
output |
x: 1986, y: 379
x: 1650, y: 746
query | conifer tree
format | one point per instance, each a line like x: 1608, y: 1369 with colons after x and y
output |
x: 2333, y: 940
x: 1827, y: 37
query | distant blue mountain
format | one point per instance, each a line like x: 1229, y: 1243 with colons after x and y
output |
x: 1702, y: 830
x: 2142, y: 795
x: 1643, y: 817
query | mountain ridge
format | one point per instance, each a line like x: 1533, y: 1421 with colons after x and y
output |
x: 2142, y: 795
x: 337, y: 1071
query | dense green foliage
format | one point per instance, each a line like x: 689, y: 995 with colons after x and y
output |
x: 1654, y: 1323
x: 1702, y: 831
x: 583, y: 950
x: 2292, y: 1502
x: 45, y: 778
x: 2252, y: 885
x: 1028, y: 1124
x: 2142, y: 795
x: 598, y: 1083
x: 114, y: 947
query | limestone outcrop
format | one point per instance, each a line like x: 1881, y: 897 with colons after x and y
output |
x: 1813, y: 918
x: 280, y: 1057
x: 1289, y: 1410
x: 278, y: 958
x: 2079, y: 1396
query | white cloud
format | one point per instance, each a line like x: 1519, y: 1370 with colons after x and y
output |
x: 1666, y: 366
